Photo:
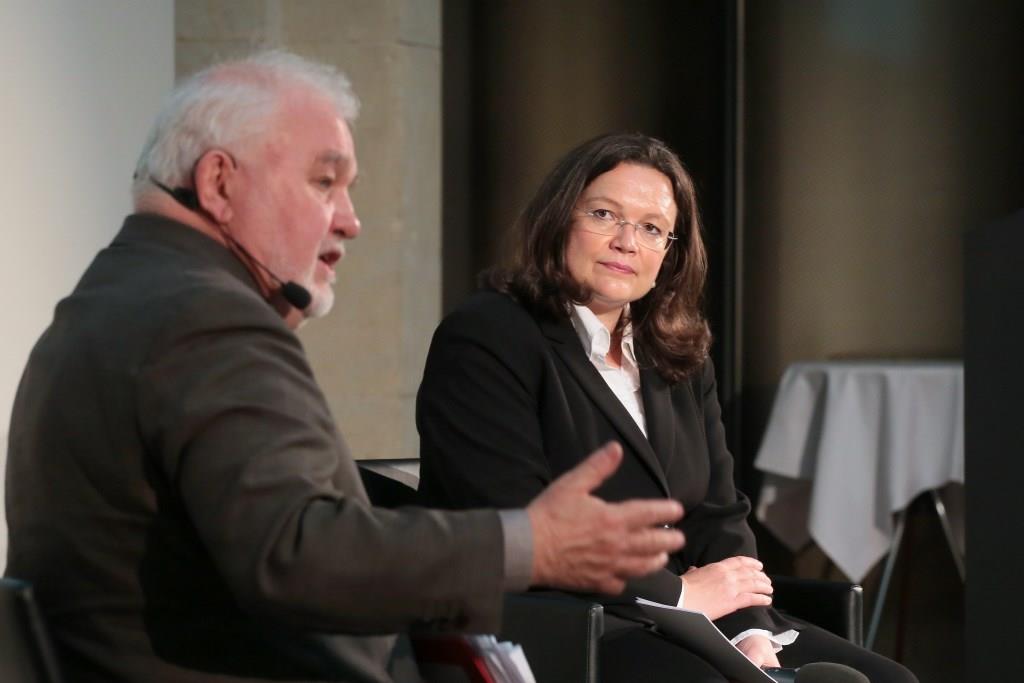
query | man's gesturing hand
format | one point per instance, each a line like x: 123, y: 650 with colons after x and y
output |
x: 723, y: 587
x: 580, y: 542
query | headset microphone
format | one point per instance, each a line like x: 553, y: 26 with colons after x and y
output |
x: 292, y: 292
x: 295, y: 294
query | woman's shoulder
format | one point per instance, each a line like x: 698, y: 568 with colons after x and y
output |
x: 488, y: 331
x: 487, y: 300
x: 701, y: 379
x: 490, y: 308
x: 490, y: 316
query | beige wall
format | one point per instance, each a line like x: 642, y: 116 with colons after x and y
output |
x: 368, y: 354
x: 857, y: 194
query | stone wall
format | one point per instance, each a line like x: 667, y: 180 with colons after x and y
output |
x: 368, y: 354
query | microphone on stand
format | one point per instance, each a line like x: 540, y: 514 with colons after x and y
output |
x: 292, y: 292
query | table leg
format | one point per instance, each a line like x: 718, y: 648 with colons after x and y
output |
x: 883, y: 587
x: 947, y: 529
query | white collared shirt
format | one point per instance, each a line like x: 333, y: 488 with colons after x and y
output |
x: 624, y: 381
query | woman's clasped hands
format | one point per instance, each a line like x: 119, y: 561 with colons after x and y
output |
x: 723, y: 587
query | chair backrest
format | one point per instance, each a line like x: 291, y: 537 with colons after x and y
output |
x: 385, y: 491
x: 835, y: 606
x: 27, y: 654
x: 560, y: 634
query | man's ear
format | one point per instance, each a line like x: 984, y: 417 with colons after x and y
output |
x: 213, y: 173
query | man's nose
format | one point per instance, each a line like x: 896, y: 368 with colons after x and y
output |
x: 346, y: 221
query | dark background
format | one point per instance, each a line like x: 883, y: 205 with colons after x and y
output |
x: 925, y: 101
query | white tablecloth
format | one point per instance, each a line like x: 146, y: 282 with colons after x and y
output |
x: 850, y: 443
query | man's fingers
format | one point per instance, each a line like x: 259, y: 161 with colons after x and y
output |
x: 641, y: 513
x: 612, y: 586
x: 628, y: 567
x: 654, y: 540
x: 590, y: 473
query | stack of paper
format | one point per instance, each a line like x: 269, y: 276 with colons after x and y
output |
x: 470, y: 659
x: 505, y: 661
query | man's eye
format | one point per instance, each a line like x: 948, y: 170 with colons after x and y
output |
x: 326, y: 182
x: 651, y: 229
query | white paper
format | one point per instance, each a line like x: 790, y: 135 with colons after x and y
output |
x: 694, y: 630
x: 506, y: 662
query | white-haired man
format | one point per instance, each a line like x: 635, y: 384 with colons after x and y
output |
x: 177, y: 490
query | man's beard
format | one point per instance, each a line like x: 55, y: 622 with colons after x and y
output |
x: 321, y: 304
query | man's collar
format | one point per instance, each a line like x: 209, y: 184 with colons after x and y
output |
x: 155, y: 228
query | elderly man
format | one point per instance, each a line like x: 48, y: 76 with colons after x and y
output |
x: 177, y: 490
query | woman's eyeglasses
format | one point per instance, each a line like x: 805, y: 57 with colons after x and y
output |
x: 607, y: 222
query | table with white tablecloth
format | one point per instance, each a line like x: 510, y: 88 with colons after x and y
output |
x: 849, y: 445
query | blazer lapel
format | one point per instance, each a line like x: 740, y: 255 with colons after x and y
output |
x: 567, y: 345
x: 657, y: 398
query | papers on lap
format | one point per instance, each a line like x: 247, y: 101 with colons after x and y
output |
x: 696, y: 632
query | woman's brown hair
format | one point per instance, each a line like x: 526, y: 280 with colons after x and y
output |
x: 668, y: 326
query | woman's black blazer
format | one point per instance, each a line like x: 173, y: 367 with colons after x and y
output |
x: 509, y: 402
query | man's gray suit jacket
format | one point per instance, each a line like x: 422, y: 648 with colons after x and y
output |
x: 179, y: 494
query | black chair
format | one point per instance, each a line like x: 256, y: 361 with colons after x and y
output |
x: 27, y: 654
x: 385, y: 491
x: 561, y: 633
x: 835, y: 606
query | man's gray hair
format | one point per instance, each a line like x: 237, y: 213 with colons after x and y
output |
x: 226, y: 102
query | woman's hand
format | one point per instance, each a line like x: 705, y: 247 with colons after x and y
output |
x: 723, y: 587
x: 759, y: 650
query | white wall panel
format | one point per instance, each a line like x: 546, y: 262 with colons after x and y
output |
x: 80, y: 83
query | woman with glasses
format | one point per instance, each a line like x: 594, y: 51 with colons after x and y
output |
x: 592, y: 332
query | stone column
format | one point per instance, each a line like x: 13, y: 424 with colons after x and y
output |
x: 368, y: 354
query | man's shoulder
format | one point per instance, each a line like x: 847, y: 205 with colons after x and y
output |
x: 205, y: 287
x: 188, y: 276
x: 151, y: 295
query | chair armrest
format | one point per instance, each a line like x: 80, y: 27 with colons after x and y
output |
x: 835, y: 606
x: 559, y: 634
x: 384, y: 491
x: 26, y: 651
